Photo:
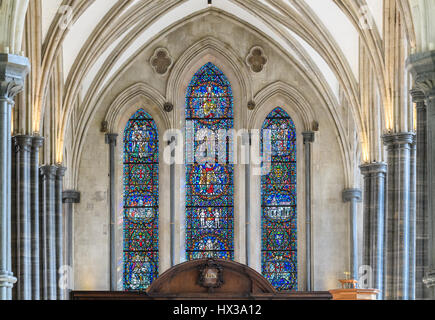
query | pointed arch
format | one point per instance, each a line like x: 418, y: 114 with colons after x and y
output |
x: 209, y: 173
x: 141, y: 202
x: 279, y: 202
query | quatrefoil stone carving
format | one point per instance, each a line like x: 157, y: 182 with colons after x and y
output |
x: 256, y: 59
x: 161, y: 61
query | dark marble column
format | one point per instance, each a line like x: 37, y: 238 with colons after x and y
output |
x: 13, y: 70
x: 247, y: 142
x: 111, y: 141
x: 70, y: 197
x: 422, y: 219
x: 412, y: 220
x: 21, y: 222
x: 373, y: 225
x: 422, y: 67
x: 48, y: 233
x: 60, y: 263
x: 353, y: 196
x: 173, y: 142
x: 37, y: 143
x: 396, y: 249
x: 309, y: 138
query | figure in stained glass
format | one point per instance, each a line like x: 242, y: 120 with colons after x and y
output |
x: 141, y: 196
x: 279, y: 214
x: 210, y: 189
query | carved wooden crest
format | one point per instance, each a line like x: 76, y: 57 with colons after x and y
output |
x: 211, y: 275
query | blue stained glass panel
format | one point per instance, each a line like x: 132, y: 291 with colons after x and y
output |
x: 209, y: 184
x: 279, y: 204
x: 141, y: 199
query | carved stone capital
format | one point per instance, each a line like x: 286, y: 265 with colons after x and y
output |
x: 309, y: 137
x: 13, y: 71
x: 418, y: 96
x: 111, y: 138
x: 350, y: 195
x: 37, y: 143
x: 71, y: 196
x: 422, y: 68
x: 48, y: 172
x: 373, y: 168
x: 60, y: 172
x: 22, y: 143
x: 402, y: 139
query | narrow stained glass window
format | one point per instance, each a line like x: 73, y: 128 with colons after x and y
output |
x: 141, y: 200
x: 279, y: 209
x: 209, y: 180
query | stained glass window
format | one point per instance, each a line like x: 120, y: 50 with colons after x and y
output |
x: 209, y: 175
x: 141, y: 199
x: 279, y: 213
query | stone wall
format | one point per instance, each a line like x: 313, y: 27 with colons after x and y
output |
x: 330, y: 215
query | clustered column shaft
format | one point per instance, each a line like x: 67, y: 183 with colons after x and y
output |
x: 51, y: 231
x: 13, y: 70
x: 21, y: 218
x: 422, y: 219
x: 48, y: 233
x: 422, y: 67
x: 373, y: 225
x: 60, y: 173
x: 37, y: 143
x: 397, y: 223
x: 412, y: 220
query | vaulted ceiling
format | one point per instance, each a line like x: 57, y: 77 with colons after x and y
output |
x: 323, y: 32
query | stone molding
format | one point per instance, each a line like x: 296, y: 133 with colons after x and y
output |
x: 401, y: 139
x: 422, y: 68
x: 48, y: 172
x: 22, y: 143
x: 351, y: 195
x: 37, y: 142
x: 417, y: 97
x: 71, y: 196
x: 309, y: 137
x: 111, y: 138
x: 373, y: 168
x: 13, y: 71
x: 60, y: 173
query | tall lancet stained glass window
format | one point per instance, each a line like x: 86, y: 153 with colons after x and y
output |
x: 141, y: 200
x: 279, y: 210
x: 209, y: 170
